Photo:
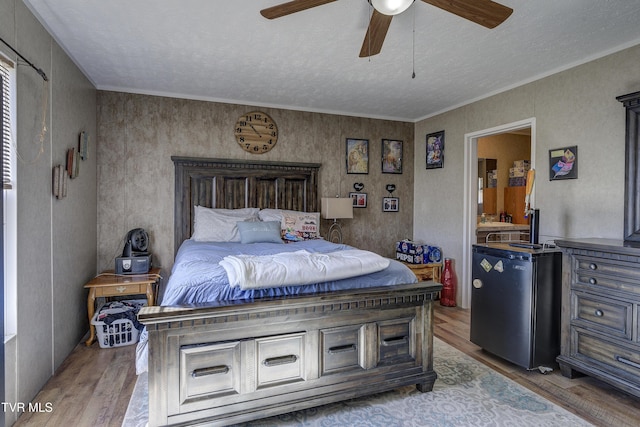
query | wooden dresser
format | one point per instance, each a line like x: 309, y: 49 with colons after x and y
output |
x: 600, y: 332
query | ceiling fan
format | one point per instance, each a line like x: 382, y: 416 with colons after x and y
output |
x: 484, y: 12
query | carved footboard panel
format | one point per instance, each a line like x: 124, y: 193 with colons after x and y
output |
x: 234, y: 362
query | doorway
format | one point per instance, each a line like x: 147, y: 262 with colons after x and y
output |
x: 503, y: 161
x: 471, y: 192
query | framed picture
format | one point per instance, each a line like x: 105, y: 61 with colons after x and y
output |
x: 359, y: 200
x: 390, y: 204
x: 357, y: 155
x: 435, y: 150
x: 83, y: 145
x: 563, y: 163
x: 391, y: 156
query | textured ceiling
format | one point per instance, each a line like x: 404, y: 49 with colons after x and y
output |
x: 226, y: 51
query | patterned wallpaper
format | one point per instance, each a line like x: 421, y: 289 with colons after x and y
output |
x: 138, y: 134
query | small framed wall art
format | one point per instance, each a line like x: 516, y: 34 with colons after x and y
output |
x: 435, y: 150
x: 563, y: 163
x: 359, y: 199
x: 391, y: 156
x: 357, y: 155
x: 390, y: 204
x: 83, y: 145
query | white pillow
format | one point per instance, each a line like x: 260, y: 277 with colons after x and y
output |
x: 295, y: 225
x: 270, y: 214
x: 220, y: 225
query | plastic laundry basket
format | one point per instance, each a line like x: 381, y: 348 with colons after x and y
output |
x: 118, y: 333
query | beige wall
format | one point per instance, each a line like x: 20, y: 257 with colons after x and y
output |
x: 138, y: 134
x: 574, y: 107
x: 56, y: 248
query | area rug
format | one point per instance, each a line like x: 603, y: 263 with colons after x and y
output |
x: 466, y: 393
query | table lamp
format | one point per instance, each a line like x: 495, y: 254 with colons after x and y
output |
x: 336, y: 208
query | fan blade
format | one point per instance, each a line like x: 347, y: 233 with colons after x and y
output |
x: 377, y: 31
x: 484, y: 12
x: 294, y: 6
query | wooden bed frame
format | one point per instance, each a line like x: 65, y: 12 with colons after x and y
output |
x: 231, y: 362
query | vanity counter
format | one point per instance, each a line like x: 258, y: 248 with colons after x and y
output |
x: 501, y: 231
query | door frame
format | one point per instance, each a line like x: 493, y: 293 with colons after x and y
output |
x: 471, y: 193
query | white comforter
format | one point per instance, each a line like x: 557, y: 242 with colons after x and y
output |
x: 299, y: 267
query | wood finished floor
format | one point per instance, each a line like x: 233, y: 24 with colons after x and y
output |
x: 93, y: 385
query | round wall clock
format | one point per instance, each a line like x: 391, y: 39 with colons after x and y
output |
x: 256, y: 132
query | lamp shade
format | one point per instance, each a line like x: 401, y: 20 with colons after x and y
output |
x: 391, y: 7
x: 336, y: 207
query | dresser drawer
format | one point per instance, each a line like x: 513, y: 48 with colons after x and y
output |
x: 342, y: 349
x: 209, y: 370
x: 619, y: 360
x: 609, y: 274
x: 280, y: 359
x: 121, y: 289
x: 608, y: 315
x: 396, y: 341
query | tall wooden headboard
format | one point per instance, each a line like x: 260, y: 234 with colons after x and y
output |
x: 232, y: 184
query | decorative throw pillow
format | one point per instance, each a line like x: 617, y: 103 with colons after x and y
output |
x: 220, y: 225
x: 295, y: 225
x: 259, y: 232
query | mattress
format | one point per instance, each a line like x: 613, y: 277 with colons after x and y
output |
x: 197, y: 276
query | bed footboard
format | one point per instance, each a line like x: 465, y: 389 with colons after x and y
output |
x: 228, y: 363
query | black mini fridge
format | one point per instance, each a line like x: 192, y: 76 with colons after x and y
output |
x: 515, y: 303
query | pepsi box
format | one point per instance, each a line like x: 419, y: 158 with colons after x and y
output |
x: 417, y: 253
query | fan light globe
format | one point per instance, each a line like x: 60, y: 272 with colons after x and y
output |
x: 391, y: 7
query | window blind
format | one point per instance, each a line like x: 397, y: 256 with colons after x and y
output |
x: 6, y: 124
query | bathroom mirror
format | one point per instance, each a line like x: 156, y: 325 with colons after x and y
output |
x: 487, y: 183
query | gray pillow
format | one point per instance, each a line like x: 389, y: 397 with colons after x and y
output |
x: 259, y: 231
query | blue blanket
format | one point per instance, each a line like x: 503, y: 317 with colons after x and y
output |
x: 197, y: 277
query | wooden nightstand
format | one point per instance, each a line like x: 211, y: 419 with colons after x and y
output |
x: 109, y: 284
x: 424, y: 272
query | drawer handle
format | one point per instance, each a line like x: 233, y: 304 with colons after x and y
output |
x: 121, y: 289
x: 593, y: 281
x: 342, y: 348
x: 282, y: 360
x: 212, y: 370
x: 627, y: 361
x: 395, y: 340
x: 593, y: 266
x: 599, y: 313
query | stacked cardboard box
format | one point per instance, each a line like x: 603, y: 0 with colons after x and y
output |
x: 518, y: 173
x: 417, y: 253
x: 520, y: 181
